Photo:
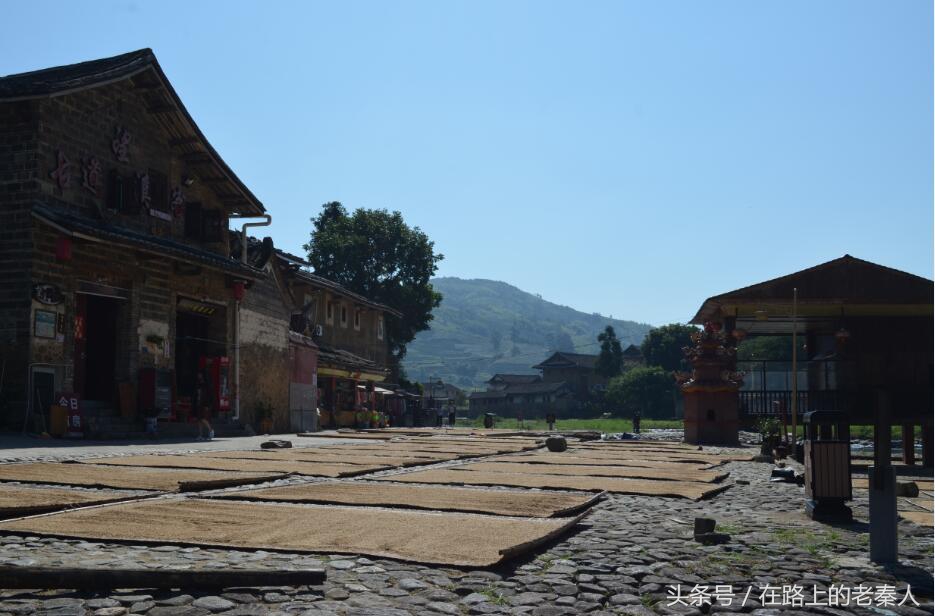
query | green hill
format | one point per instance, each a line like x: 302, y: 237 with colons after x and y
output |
x: 484, y: 326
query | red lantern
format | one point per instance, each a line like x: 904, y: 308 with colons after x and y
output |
x: 63, y: 249
x: 240, y: 290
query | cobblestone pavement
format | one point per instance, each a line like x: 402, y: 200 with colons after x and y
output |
x: 620, y: 560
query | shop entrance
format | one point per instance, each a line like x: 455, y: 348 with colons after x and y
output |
x: 96, y: 346
x: 200, y: 341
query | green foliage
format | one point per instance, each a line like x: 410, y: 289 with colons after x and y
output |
x: 663, y: 345
x: 459, y: 345
x: 767, y: 348
x: 644, y: 389
x: 768, y: 427
x: 610, y: 359
x: 375, y: 253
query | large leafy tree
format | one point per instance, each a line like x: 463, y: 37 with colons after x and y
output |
x: 662, y: 346
x: 647, y: 389
x: 610, y: 360
x: 375, y: 253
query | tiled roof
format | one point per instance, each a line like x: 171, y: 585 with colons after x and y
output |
x: 515, y: 378
x: 563, y: 358
x: 843, y: 281
x: 296, y: 265
x: 346, y: 359
x: 75, y: 224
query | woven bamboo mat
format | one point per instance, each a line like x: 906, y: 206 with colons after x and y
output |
x: 683, y: 489
x: 922, y: 518
x: 674, y: 456
x: 313, y: 455
x: 426, y: 537
x: 862, y: 483
x: 571, y: 458
x: 440, y: 498
x: 128, y: 477
x: 19, y: 500
x: 594, y: 471
x: 244, y: 465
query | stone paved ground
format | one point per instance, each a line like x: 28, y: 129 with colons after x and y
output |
x: 620, y: 560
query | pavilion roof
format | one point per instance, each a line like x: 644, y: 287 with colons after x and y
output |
x: 845, y: 285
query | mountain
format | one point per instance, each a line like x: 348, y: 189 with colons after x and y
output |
x: 484, y: 326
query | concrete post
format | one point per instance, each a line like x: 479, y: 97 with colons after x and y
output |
x: 883, y: 517
x: 909, y: 444
x: 882, y: 479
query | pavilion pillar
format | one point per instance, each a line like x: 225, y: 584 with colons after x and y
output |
x: 927, y: 451
x: 909, y: 444
x: 882, y: 480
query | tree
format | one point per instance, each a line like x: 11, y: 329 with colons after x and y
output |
x: 662, y: 346
x: 647, y: 389
x: 768, y: 348
x: 610, y: 359
x: 376, y: 254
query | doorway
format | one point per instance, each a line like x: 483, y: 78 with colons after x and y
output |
x: 97, y: 318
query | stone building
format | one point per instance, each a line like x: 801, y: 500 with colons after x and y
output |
x: 349, y: 332
x: 117, y: 281
x: 123, y: 293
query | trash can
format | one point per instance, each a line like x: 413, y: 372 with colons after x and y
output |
x: 489, y: 420
x: 827, y: 466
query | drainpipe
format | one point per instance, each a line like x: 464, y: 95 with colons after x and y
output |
x: 235, y: 377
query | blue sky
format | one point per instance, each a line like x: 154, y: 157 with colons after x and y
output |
x: 628, y: 158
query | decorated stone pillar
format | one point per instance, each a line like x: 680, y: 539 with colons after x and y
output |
x: 712, y: 406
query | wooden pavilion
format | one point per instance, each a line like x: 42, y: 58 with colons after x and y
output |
x: 867, y: 332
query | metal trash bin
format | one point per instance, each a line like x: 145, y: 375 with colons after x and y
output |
x: 489, y: 420
x: 827, y: 466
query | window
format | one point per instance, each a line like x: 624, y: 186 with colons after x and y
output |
x: 329, y: 313
x: 343, y: 315
x: 380, y: 328
x: 357, y: 319
x: 158, y: 191
x: 121, y: 194
x: 211, y: 225
x: 193, y: 221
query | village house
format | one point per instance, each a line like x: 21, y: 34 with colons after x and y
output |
x: 349, y: 335
x: 575, y: 369
x: 124, y: 294
x: 522, y: 393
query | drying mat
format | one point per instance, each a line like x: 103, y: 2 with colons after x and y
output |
x: 128, y: 477
x: 917, y: 503
x: 441, y: 498
x: 673, y: 457
x: 455, y: 447
x: 571, y: 458
x: 862, y: 483
x: 356, y: 435
x: 377, y: 450
x: 628, y: 472
x: 18, y: 500
x: 683, y: 489
x: 351, y: 457
x: 922, y: 518
x: 456, y: 539
x: 683, y: 452
x: 422, y: 450
x: 248, y: 466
